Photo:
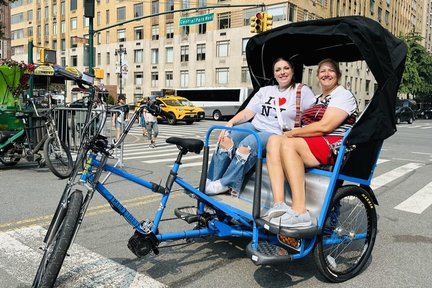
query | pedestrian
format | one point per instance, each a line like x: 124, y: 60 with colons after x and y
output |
x: 120, y: 118
x: 142, y: 118
x: 150, y: 118
x: 272, y: 109
x: 309, y: 146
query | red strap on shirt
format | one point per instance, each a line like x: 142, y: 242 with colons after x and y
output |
x: 298, y: 100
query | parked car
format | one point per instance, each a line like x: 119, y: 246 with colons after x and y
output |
x: 200, y: 111
x: 404, y: 114
x: 426, y: 113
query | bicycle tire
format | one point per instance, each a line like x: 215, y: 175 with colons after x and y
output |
x: 7, y: 160
x: 55, y: 252
x: 348, y: 236
x: 60, y: 164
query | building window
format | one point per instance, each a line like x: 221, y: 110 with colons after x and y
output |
x: 138, y: 79
x: 107, y: 17
x: 154, y: 56
x: 107, y: 37
x: 63, y: 61
x: 108, y: 77
x: 30, y: 31
x: 73, y: 23
x: 155, y: 7
x: 372, y: 6
x: 202, y: 3
x: 170, y: 30
x: 387, y: 17
x: 184, y: 53
x: 138, y: 33
x: 139, y: 56
x: 202, y: 28
x: 98, y: 18
x: 291, y: 13
x: 54, y: 28
x: 184, y: 78
x: 62, y: 8
x: 121, y: 35
x: 121, y: 14
x: 74, y: 61
x: 138, y: 10
x: 222, y: 48
x: 155, y: 32
x: 169, y: 79
x: 277, y: 11
x: 73, y: 5
x: 222, y: 75
x: 73, y: 42
x: 201, y: 52
x: 379, y: 14
x: 244, y: 43
x: 200, y: 78
x: 154, y: 79
x: 63, y: 44
x: 170, y: 5
x: 169, y: 55
x: 185, y: 4
x: 245, y: 76
x: 108, y: 58
x: 185, y: 30
x: 62, y: 26
x: 224, y: 20
x: 99, y: 59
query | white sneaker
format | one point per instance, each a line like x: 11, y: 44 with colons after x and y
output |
x: 215, y: 187
x: 292, y: 219
x: 277, y: 210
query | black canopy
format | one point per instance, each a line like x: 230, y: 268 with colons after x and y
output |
x: 344, y: 39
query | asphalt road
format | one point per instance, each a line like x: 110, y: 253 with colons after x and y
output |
x: 402, y: 256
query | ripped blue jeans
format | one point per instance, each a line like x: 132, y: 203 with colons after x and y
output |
x: 229, y: 166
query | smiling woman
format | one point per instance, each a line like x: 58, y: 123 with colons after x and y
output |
x: 273, y: 109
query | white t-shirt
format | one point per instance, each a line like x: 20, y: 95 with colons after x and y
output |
x: 264, y: 105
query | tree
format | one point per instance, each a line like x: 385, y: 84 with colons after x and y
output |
x: 417, y: 77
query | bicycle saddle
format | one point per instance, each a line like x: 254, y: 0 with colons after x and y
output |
x: 191, y: 145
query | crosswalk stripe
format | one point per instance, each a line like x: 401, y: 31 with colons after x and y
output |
x: 418, y: 202
x: 83, y: 268
x: 388, y: 177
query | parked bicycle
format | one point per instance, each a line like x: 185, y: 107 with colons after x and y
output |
x: 339, y: 198
x: 18, y: 144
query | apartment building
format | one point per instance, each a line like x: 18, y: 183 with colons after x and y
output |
x: 5, y: 26
x: 161, y: 53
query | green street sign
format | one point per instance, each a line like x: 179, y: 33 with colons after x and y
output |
x: 196, y: 19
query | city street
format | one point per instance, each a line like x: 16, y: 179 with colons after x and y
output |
x: 100, y: 258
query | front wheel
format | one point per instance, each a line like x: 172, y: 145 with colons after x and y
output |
x: 348, y: 235
x: 172, y: 119
x: 57, y: 248
x: 58, y: 157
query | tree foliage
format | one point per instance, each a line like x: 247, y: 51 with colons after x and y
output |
x: 417, y: 77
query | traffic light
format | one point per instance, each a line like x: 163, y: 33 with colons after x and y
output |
x: 48, y: 56
x: 259, y: 22
x: 253, y: 24
x: 267, y: 21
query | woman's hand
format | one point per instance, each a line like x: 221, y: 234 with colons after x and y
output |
x: 224, y: 133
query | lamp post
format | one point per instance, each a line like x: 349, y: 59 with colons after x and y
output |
x: 120, y: 52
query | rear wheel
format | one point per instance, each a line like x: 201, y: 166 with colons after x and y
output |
x: 217, y: 115
x: 58, y: 157
x: 348, y: 235
x: 410, y: 120
x: 11, y: 156
x: 56, y: 250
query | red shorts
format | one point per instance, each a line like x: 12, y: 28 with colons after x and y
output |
x: 320, y: 148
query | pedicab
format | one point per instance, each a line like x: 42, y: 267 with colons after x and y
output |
x: 339, y: 198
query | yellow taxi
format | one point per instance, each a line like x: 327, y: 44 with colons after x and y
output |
x: 178, y: 111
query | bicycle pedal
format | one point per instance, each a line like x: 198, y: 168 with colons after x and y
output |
x: 268, y: 254
x: 142, y: 244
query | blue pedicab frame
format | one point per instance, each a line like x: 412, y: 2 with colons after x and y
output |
x: 335, y: 229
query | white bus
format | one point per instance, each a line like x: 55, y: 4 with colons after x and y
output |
x: 218, y: 103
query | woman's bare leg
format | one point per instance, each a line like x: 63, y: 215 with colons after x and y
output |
x: 274, y: 168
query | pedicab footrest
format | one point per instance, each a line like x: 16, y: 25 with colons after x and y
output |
x: 300, y: 232
x: 267, y: 254
x: 187, y: 213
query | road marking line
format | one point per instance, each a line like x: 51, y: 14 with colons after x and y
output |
x: 388, y: 177
x: 21, y: 256
x: 418, y: 202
